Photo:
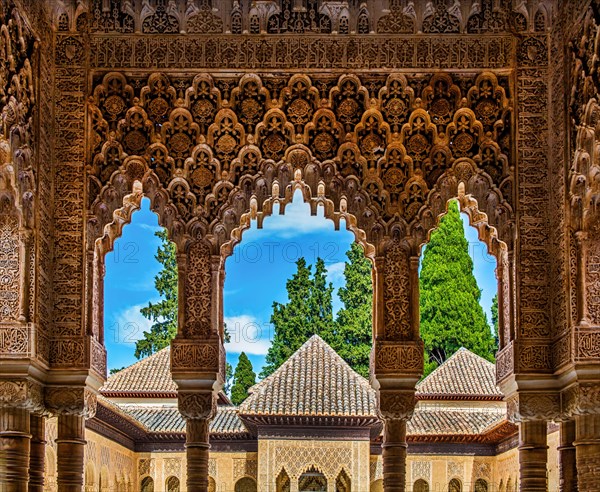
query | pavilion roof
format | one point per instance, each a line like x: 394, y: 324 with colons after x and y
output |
x: 463, y: 376
x: 314, y: 381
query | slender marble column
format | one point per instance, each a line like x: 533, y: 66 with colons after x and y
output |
x: 70, y: 446
x: 37, y: 454
x: 394, y: 455
x: 197, y: 447
x: 533, y: 456
x: 587, y: 449
x: 567, y: 460
x: 15, y: 441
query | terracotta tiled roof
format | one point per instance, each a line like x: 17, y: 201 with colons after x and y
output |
x: 151, y: 375
x: 442, y: 421
x: 463, y: 376
x: 166, y: 418
x: 314, y: 381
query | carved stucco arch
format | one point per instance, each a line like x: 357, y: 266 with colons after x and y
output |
x: 213, y: 161
x: 488, y: 235
x: 366, y: 126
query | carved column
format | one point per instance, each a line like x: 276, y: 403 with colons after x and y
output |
x: 533, y: 455
x: 587, y: 449
x: 394, y: 452
x: 37, y: 453
x: 197, y: 353
x: 567, y: 462
x: 15, y: 438
x: 70, y: 446
x: 72, y: 405
x: 197, y: 408
x: 395, y: 407
x: 397, y: 357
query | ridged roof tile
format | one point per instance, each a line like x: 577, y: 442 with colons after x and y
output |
x: 150, y: 375
x: 166, y: 418
x: 314, y: 381
x: 441, y: 421
x: 464, y: 375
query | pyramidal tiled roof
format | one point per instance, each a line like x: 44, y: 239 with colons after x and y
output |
x: 151, y: 375
x: 465, y: 375
x: 314, y: 381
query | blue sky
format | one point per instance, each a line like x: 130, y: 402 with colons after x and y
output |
x: 256, y: 274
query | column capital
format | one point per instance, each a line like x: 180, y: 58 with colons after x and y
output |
x: 71, y: 400
x: 22, y: 393
x: 396, y: 404
x: 525, y: 407
x: 194, y: 405
x: 390, y: 357
x: 581, y: 399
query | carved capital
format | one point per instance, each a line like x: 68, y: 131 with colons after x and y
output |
x: 198, y: 355
x: 22, y: 393
x: 396, y: 405
x: 397, y: 357
x: 197, y: 405
x: 71, y: 400
x: 523, y: 407
x: 581, y: 399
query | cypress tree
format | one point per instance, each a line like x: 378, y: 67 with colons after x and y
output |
x: 354, y: 326
x: 495, y: 319
x: 308, y: 311
x: 451, y: 315
x: 243, y: 378
x: 163, y: 313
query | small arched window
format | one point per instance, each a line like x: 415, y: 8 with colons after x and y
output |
x: 377, y: 486
x: 172, y: 484
x: 455, y: 485
x: 282, y: 483
x: 312, y: 480
x: 481, y: 485
x: 245, y: 484
x: 421, y: 486
x: 342, y: 482
x: 147, y: 485
x: 212, y: 485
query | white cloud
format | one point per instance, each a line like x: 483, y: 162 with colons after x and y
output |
x: 128, y: 326
x: 297, y: 221
x: 335, y: 273
x: 149, y: 227
x: 248, y: 335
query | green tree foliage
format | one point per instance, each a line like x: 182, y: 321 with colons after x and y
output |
x: 495, y: 318
x: 163, y: 313
x: 354, y: 327
x: 243, y: 378
x: 308, y: 311
x: 451, y: 315
x: 228, y: 366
